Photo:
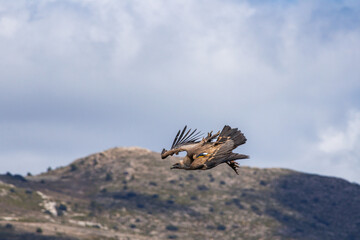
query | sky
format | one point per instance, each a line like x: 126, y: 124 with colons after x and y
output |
x: 81, y: 76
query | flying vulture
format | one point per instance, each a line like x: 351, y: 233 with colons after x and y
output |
x: 208, y: 152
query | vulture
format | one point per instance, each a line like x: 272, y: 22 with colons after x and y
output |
x: 208, y: 152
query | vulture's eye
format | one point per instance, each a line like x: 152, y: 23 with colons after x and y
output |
x: 201, y: 155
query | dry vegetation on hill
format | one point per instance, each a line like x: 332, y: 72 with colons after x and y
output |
x: 130, y: 193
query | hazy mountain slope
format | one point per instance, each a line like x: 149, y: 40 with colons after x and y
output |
x: 131, y: 193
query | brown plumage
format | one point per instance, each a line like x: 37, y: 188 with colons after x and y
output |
x: 207, y: 153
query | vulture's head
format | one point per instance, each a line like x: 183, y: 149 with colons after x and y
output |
x: 180, y: 165
x: 177, y: 166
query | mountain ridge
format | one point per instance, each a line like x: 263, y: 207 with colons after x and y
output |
x: 131, y: 193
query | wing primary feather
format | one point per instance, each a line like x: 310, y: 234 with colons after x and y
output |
x: 181, y: 135
x: 185, y: 137
x: 194, y: 137
x: 188, y: 137
x: 177, y: 135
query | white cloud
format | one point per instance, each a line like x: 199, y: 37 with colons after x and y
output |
x: 8, y: 26
x: 335, y: 141
x: 336, y: 151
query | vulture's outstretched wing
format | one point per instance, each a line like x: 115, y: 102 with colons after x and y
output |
x: 228, y: 140
x: 182, y: 140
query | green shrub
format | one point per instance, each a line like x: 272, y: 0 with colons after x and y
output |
x: 9, y: 226
x: 172, y: 228
x: 108, y: 177
x: 73, y: 167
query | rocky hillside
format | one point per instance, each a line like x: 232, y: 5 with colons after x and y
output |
x: 130, y: 193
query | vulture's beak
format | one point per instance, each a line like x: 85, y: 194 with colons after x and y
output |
x: 175, y: 166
